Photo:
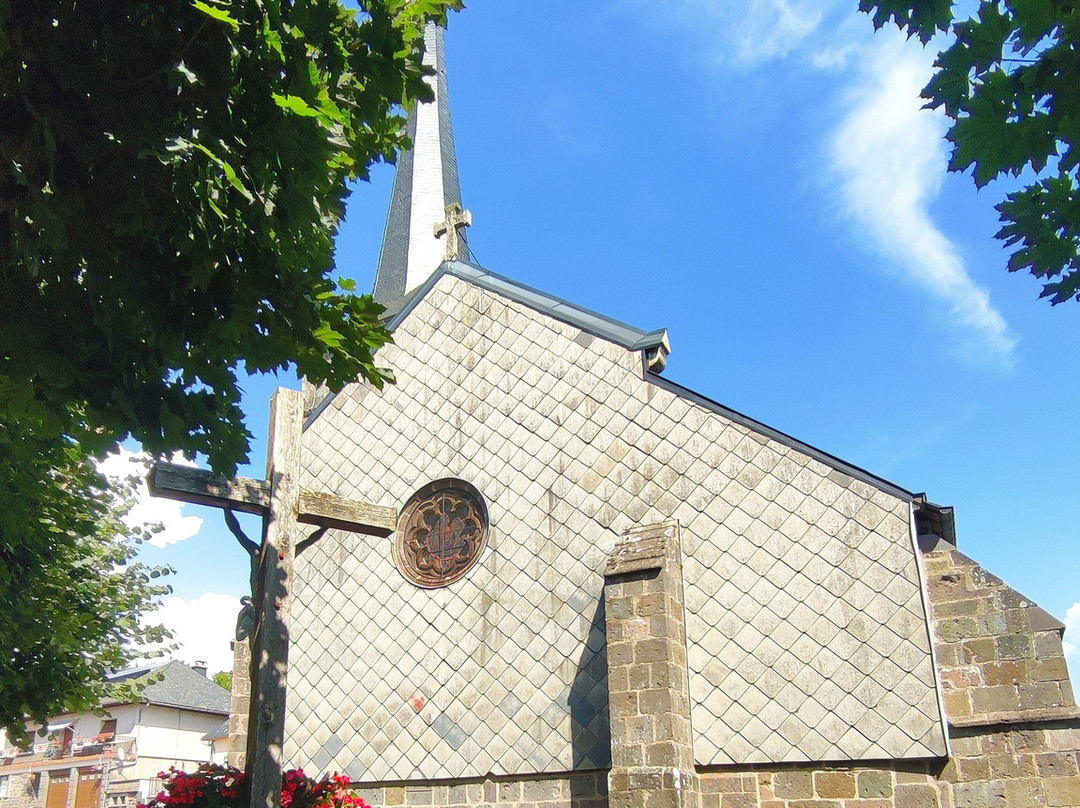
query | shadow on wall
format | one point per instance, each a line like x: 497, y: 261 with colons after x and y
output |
x: 588, y: 701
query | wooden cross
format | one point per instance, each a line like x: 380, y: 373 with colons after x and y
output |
x: 456, y: 221
x: 284, y: 507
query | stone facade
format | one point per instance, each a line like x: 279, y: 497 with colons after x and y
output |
x: 806, y: 629
x: 776, y: 650
x: 652, y: 747
x: 999, y: 654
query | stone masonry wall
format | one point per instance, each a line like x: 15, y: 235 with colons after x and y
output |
x: 1014, y: 731
x: 576, y: 791
x: 652, y: 747
x: 1022, y: 767
x: 239, y: 703
x: 999, y: 654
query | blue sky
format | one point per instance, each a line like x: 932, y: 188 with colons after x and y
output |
x: 757, y: 177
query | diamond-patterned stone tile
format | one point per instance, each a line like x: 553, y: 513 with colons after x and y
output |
x: 801, y: 586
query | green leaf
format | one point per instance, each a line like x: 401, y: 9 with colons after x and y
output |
x: 296, y: 105
x: 217, y: 13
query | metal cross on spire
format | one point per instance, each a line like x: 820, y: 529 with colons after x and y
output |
x: 454, y: 228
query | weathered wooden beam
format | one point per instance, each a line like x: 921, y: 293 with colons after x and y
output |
x: 270, y: 642
x: 187, y: 484
x: 330, y: 510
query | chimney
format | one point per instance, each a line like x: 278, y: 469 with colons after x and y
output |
x: 199, y: 667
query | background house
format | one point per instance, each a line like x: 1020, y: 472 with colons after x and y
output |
x: 91, y: 761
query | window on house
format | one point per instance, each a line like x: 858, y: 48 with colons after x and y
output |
x: 4, y: 785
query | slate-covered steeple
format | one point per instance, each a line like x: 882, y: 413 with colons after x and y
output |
x: 425, y: 185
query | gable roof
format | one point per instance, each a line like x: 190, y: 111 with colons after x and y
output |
x: 592, y: 322
x: 654, y: 346
x: 177, y: 686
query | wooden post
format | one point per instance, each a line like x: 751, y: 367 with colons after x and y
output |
x: 270, y: 644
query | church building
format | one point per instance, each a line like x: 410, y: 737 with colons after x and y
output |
x: 605, y: 589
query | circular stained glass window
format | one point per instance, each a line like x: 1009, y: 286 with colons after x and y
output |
x: 441, y: 532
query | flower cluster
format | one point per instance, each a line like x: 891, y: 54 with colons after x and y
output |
x: 213, y: 786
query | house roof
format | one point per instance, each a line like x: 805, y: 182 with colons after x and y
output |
x: 219, y: 731
x: 179, y: 686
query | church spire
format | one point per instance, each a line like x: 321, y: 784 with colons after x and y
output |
x: 421, y: 226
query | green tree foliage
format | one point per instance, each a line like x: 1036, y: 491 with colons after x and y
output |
x: 172, y: 174
x: 1010, y: 83
x: 71, y: 596
x: 224, y: 678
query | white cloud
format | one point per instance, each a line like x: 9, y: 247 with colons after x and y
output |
x: 741, y: 32
x: 890, y: 158
x: 1071, y: 641
x: 201, y: 628
x: 150, y: 510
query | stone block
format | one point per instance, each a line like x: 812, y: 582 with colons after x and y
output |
x: 666, y: 753
x: 977, y: 651
x: 457, y: 795
x: 918, y: 795
x: 739, y: 801
x: 418, y: 795
x: 541, y: 790
x: 999, y: 699
x: 1009, y: 672
x: 634, y: 731
x: 948, y: 654
x: 1033, y: 739
x: 964, y: 676
x: 656, y: 650
x: 793, y: 784
x: 654, y: 603
x: 1015, y: 646
x: 1063, y: 792
x: 834, y: 785
x: 660, y: 700
x: 395, y: 795
x: 1040, y: 695
x: 624, y: 705
x: 973, y: 769
x: 1056, y: 764
x: 956, y: 608
x: 621, y: 653
x: 1004, y: 766
x: 510, y: 791
x: 625, y: 755
x: 1026, y: 793
x: 669, y: 726
x: 1048, y: 645
x: 966, y: 745
x: 620, y: 608
x: 874, y: 784
x: 982, y: 794
x: 1064, y: 740
x: 958, y: 703
x: 954, y: 629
